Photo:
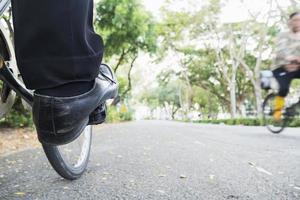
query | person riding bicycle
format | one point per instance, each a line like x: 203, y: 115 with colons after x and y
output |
x: 288, y: 58
x: 58, y: 55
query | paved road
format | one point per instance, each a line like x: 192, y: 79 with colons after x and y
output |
x: 167, y: 160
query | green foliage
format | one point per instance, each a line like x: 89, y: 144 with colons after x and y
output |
x: 294, y: 123
x: 209, y: 104
x: 150, y: 97
x: 167, y: 94
x: 126, y: 27
x: 238, y: 121
x: 211, y: 51
x: 204, y: 73
x: 176, y: 24
x: 246, y: 122
x: 18, y: 117
x: 172, y: 28
x: 114, y: 115
x: 127, y: 116
x: 122, y: 84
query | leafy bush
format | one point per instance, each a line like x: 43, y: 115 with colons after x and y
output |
x: 294, y: 123
x: 17, y: 117
x: 238, y: 121
x: 128, y: 116
x: 113, y: 115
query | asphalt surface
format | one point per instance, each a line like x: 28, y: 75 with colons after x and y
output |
x: 167, y: 160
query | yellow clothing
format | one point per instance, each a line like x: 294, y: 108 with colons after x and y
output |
x: 278, y: 106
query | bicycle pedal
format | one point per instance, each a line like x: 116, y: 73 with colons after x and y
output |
x: 98, y: 116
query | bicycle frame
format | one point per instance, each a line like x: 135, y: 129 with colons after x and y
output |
x: 7, y: 77
x: 6, y: 74
x: 3, y: 5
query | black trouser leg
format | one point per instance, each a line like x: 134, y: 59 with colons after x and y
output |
x: 284, y: 79
x: 55, y: 42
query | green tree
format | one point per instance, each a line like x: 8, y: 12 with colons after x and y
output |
x: 127, y: 29
x: 166, y: 95
x: 225, y: 59
x: 208, y: 104
x: 169, y: 96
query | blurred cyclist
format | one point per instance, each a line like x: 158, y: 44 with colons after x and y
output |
x: 288, y: 58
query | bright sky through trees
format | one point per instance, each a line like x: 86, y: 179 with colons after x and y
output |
x: 233, y: 10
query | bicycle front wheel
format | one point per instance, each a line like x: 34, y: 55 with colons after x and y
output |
x: 70, y: 160
x: 268, y: 119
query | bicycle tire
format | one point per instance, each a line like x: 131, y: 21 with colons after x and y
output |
x: 61, y: 165
x: 283, y: 122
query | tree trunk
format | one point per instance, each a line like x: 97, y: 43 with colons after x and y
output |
x: 174, y: 111
x: 258, y: 97
x: 232, y: 86
x: 254, y: 78
x: 129, y: 86
x: 120, y: 60
x: 232, y: 99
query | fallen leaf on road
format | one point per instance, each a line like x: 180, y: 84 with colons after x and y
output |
x: 263, y: 171
x: 297, y: 188
x: 161, y: 191
x: 198, y: 142
x: 183, y: 176
x: 232, y: 197
x: 132, y: 181
x: 20, y: 193
x: 211, y: 177
x: 260, y: 169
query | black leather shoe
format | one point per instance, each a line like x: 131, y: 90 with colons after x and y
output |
x: 60, y: 120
